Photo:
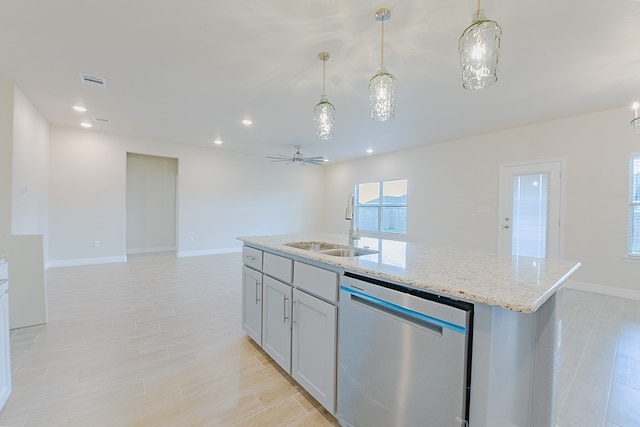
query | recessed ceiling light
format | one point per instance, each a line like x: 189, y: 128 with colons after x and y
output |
x: 326, y: 160
x: 217, y: 141
x: 369, y: 150
x: 80, y: 108
x: 86, y: 125
x: 247, y: 122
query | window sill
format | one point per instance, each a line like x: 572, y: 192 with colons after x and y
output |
x: 635, y: 259
x: 383, y: 236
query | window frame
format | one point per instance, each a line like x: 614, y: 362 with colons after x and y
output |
x: 634, y: 204
x: 380, y: 207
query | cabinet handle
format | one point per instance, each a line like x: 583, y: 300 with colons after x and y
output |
x: 285, y: 310
x: 293, y: 311
x: 250, y: 258
x: 257, y: 292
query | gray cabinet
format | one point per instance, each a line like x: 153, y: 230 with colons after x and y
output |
x: 289, y: 309
x: 276, y: 321
x: 252, y: 303
x: 314, y: 347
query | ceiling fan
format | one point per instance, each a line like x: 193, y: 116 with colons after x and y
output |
x: 297, y: 158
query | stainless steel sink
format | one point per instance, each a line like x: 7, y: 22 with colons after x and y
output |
x: 332, y: 249
x: 314, y: 246
x: 348, y: 252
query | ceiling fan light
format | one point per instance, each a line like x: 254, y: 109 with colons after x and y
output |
x: 382, y: 95
x: 324, y: 118
x: 478, y: 47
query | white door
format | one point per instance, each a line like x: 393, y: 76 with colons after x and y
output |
x: 530, y: 209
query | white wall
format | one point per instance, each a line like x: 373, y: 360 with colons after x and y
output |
x: 6, y: 154
x: 221, y: 195
x: 151, y: 203
x: 449, y: 181
x: 30, y: 168
x: 23, y: 164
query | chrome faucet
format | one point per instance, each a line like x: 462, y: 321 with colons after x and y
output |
x: 354, y: 233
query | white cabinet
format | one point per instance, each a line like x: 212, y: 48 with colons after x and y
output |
x: 252, y: 303
x: 314, y: 347
x: 276, y: 321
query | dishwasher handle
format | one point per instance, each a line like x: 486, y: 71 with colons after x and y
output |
x: 430, y: 323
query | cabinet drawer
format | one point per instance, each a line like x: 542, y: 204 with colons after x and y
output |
x: 252, y: 257
x: 277, y: 266
x: 318, y: 281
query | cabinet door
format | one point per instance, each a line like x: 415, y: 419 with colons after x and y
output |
x: 5, y: 354
x: 252, y: 303
x: 314, y: 347
x: 276, y: 321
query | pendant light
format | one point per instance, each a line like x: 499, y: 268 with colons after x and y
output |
x: 478, y: 47
x: 324, y: 112
x: 382, y: 86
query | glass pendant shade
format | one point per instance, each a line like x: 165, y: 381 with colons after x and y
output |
x: 478, y: 47
x: 382, y: 95
x: 324, y: 113
x: 382, y: 86
x: 324, y: 118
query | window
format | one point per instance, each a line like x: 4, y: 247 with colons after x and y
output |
x: 381, y: 207
x: 634, y: 205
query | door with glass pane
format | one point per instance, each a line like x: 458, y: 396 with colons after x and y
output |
x: 530, y: 209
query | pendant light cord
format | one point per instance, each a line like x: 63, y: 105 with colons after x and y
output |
x: 324, y: 63
x: 382, y: 45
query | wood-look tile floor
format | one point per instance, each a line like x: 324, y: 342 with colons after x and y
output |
x: 157, y: 341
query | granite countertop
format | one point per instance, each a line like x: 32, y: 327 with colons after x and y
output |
x: 519, y: 284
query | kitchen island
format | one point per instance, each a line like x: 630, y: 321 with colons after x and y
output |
x: 515, y: 330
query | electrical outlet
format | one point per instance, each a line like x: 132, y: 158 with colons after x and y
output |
x: 96, y: 243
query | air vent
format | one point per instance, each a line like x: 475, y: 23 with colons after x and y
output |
x: 102, y: 120
x: 93, y: 80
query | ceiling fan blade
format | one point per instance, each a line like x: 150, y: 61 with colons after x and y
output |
x: 279, y: 158
x: 318, y: 160
x: 297, y: 158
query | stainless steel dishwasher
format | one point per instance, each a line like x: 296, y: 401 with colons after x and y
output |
x: 404, y: 356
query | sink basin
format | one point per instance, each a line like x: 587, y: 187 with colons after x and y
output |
x: 348, y: 252
x: 314, y: 246
x: 332, y: 249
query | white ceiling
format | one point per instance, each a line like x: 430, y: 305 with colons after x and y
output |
x: 190, y: 71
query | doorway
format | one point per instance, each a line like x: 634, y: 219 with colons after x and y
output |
x: 151, y: 203
x: 530, y: 209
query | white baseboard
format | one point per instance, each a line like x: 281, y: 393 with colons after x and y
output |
x: 603, y: 289
x: 184, y: 254
x: 151, y: 250
x: 85, y: 261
